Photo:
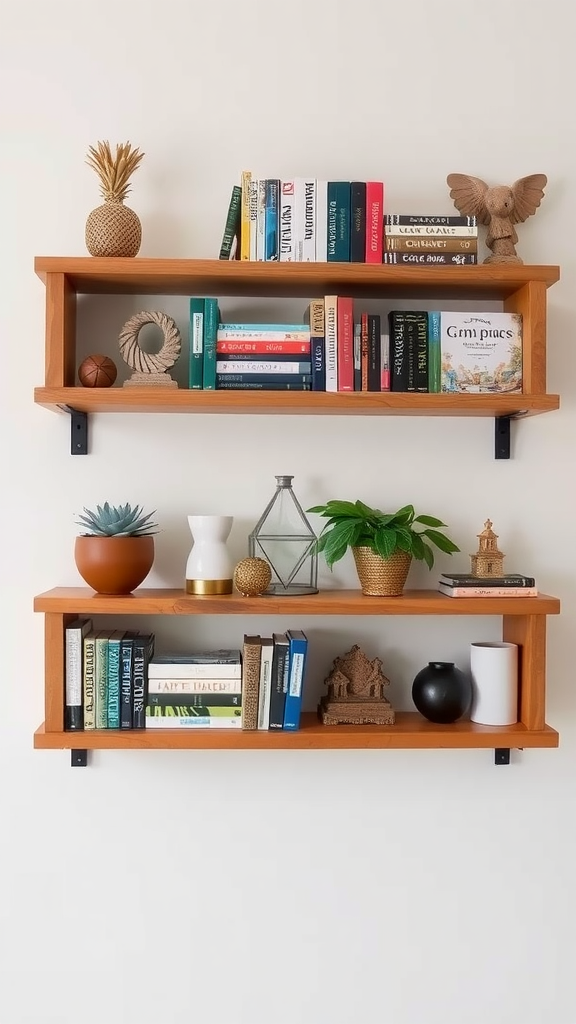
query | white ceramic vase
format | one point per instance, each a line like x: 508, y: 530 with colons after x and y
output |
x: 209, y: 568
x: 494, y: 670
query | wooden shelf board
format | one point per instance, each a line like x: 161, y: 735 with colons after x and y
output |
x: 409, y: 731
x: 150, y: 601
x: 182, y: 400
x: 146, y: 276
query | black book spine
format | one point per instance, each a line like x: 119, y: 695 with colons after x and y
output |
x: 358, y: 222
x: 143, y: 646
x: 374, y: 352
x: 398, y: 351
x: 421, y: 220
x: 490, y: 581
x: 279, y: 682
x: 194, y: 700
x: 126, y: 681
x: 417, y: 323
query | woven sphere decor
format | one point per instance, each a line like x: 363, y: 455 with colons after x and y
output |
x: 252, y: 576
x: 381, y: 577
x: 97, y: 372
x: 113, y: 230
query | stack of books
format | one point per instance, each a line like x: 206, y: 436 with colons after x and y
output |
x: 427, y: 240
x: 273, y: 672
x: 195, y: 691
x: 509, y: 585
x: 269, y: 357
x: 304, y: 220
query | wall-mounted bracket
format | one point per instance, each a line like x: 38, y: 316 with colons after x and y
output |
x: 78, y: 758
x: 502, y: 755
x: 502, y: 437
x: 78, y: 431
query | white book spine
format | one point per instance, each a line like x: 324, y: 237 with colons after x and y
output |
x: 309, y: 251
x: 260, y: 366
x: 193, y: 722
x: 202, y: 686
x: 265, y: 688
x: 74, y: 645
x: 429, y: 231
x: 331, y: 341
x: 321, y: 221
x: 188, y: 670
x: 253, y: 211
x: 274, y: 334
x: 260, y: 219
x: 286, y: 221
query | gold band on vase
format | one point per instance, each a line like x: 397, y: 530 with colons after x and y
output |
x: 209, y: 587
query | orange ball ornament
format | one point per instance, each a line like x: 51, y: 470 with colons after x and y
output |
x: 97, y: 372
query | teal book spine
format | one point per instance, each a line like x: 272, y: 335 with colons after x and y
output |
x: 211, y: 319
x: 339, y: 213
x: 434, y: 354
x: 101, y: 688
x: 113, y: 687
x: 196, y: 365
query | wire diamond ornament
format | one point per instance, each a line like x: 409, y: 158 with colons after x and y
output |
x: 284, y: 537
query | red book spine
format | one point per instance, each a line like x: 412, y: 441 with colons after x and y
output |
x: 264, y: 347
x: 374, y: 221
x: 345, y: 344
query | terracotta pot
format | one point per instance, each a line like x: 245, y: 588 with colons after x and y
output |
x: 114, y: 565
x: 381, y: 577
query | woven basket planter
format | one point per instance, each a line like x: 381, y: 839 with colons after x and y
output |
x: 381, y: 577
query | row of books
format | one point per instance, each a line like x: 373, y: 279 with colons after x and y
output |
x: 273, y: 676
x: 309, y: 220
x: 508, y: 585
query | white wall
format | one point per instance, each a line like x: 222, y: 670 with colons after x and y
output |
x: 364, y: 887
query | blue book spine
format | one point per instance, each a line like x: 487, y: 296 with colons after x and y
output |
x: 113, y: 692
x: 211, y: 317
x: 434, y: 354
x: 261, y: 328
x: 195, y: 366
x: 298, y: 648
x: 271, y: 226
x: 318, y: 357
x: 126, y: 656
x: 339, y: 208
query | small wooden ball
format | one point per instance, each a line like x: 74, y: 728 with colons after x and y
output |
x: 97, y: 372
x: 252, y: 576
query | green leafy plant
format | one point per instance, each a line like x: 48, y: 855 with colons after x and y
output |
x: 116, y: 521
x: 354, y: 524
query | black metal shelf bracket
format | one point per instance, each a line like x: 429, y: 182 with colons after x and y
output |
x: 502, y: 437
x: 78, y: 431
x: 502, y: 755
x: 78, y: 758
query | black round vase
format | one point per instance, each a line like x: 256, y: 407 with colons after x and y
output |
x: 441, y: 692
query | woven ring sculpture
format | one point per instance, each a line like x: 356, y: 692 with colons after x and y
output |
x: 150, y: 362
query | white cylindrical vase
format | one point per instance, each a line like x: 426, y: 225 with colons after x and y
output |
x: 209, y: 568
x: 494, y: 669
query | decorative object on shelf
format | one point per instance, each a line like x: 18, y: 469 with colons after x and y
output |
x: 284, y: 538
x: 383, y: 543
x: 97, y: 372
x: 441, y: 692
x: 356, y: 692
x: 252, y: 576
x: 115, y: 551
x: 488, y: 561
x: 494, y: 670
x: 209, y: 566
x: 150, y: 368
x: 113, y: 229
x: 500, y: 207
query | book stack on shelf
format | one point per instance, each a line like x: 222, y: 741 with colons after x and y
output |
x: 195, y: 691
x: 105, y: 677
x: 273, y: 675
x: 466, y: 585
x: 304, y: 220
x: 270, y: 357
x: 422, y: 240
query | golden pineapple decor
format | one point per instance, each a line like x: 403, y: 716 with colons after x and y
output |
x: 113, y: 229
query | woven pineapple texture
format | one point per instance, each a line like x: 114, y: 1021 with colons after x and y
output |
x: 381, y: 577
x: 113, y: 229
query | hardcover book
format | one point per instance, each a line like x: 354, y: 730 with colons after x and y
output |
x: 196, y: 360
x: 265, y: 683
x: 194, y: 700
x: 250, y: 680
x: 315, y: 317
x: 509, y: 579
x: 358, y: 222
x: 75, y: 633
x: 279, y: 681
x: 114, y: 669
x: 211, y: 318
x: 298, y: 648
x: 89, y: 679
x: 287, y: 217
x: 481, y: 352
x: 143, y: 648
x: 442, y: 259
x: 224, y: 663
x: 481, y: 591
x: 126, y: 678
x: 232, y: 227
x: 198, y: 686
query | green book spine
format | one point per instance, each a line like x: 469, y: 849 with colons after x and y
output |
x: 195, y: 371
x: 211, y: 319
x: 434, y: 354
x: 113, y: 680
x: 232, y: 228
x: 101, y: 687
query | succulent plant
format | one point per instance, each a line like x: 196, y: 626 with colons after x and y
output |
x: 116, y: 521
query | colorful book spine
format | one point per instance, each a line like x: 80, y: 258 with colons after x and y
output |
x: 246, y: 180
x: 385, y: 362
x: 252, y: 648
x: 321, y: 247
x: 272, y: 248
x: 89, y: 680
x: 279, y: 681
x: 253, y: 217
x: 263, y: 332
x: 374, y: 352
x: 126, y: 679
x: 261, y: 220
x: 194, y: 700
x: 374, y: 221
x: 345, y: 351
x: 113, y: 679
x: 364, y: 357
x: 195, y: 369
x: 74, y: 647
x: 263, y: 366
x: 409, y: 243
x: 249, y: 349
x: 257, y: 377
x: 315, y: 316
x: 101, y: 688
x: 487, y: 591
x: 265, y: 682
x: 358, y: 356
x: 232, y: 227
x: 211, y: 317
x: 331, y: 341
x: 286, y: 222
x: 358, y: 222
x: 442, y: 259
x: 424, y: 219
x: 143, y: 647
x: 298, y: 649
x: 434, y: 353
x: 339, y: 221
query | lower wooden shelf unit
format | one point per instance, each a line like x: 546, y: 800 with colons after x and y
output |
x: 523, y: 623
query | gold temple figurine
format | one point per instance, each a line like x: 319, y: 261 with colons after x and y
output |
x: 488, y: 561
x: 356, y: 692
